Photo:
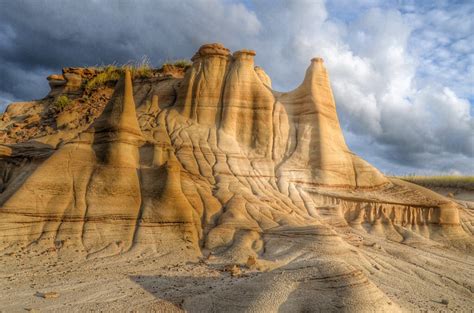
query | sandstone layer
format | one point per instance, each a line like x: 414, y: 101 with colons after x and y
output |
x: 211, y: 162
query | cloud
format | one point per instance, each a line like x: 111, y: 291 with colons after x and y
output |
x: 40, y: 36
x: 401, y: 74
x: 383, y: 98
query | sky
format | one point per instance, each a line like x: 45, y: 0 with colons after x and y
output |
x: 402, y: 72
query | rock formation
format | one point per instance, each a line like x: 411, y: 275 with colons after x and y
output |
x: 210, y: 161
x: 215, y: 159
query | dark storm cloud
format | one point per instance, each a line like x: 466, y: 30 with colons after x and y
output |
x: 43, y: 36
x: 400, y: 74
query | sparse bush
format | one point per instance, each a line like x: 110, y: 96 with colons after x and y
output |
x: 62, y: 102
x: 140, y: 69
x: 182, y: 63
x: 109, y: 73
x: 113, y: 72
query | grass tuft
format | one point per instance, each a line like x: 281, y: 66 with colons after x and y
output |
x: 140, y: 69
x: 181, y: 63
x: 108, y: 73
x: 113, y: 72
x: 62, y: 102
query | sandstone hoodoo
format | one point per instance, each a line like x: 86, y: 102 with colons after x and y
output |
x: 205, y: 165
x: 212, y: 159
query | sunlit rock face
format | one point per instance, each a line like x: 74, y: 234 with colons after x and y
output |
x: 210, y: 158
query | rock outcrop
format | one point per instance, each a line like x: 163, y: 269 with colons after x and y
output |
x: 215, y: 160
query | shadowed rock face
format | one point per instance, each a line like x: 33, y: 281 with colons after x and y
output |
x: 215, y: 160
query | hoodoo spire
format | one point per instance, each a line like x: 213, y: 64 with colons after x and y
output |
x: 119, y: 118
x: 128, y: 119
x: 224, y: 164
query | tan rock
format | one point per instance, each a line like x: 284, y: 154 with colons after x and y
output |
x: 33, y: 119
x: 217, y: 164
x: 66, y: 117
x: 200, y: 95
x: 48, y: 295
x: 214, y: 160
x: 263, y: 76
x: 5, y: 151
x: 251, y: 262
x: 233, y: 269
x: 5, y: 117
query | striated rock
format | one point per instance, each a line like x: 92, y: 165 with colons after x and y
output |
x: 213, y: 160
x: 200, y: 95
x: 70, y: 81
x: 266, y: 80
x: 56, y: 80
x: 5, y: 151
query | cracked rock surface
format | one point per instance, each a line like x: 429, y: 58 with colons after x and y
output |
x: 213, y: 167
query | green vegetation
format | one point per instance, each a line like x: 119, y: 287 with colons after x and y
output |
x: 454, y: 181
x: 139, y: 69
x: 62, y: 102
x: 108, y: 73
x: 113, y: 72
x: 182, y: 63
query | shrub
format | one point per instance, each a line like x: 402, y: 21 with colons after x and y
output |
x: 109, y: 73
x: 113, y: 72
x: 182, y: 63
x: 62, y: 102
x: 141, y: 69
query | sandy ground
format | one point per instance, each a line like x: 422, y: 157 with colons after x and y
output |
x: 413, y: 279
x: 416, y: 276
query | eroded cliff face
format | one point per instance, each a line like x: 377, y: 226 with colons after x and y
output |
x: 214, y: 160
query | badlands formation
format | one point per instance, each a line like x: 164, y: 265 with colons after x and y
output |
x: 203, y: 189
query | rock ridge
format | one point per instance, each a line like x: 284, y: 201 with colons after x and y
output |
x: 211, y: 160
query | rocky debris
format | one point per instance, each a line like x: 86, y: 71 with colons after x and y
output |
x: 19, y: 110
x: 48, y: 295
x: 32, y: 120
x: 233, y: 269
x: 71, y: 80
x: 251, y: 262
x: 171, y: 71
x: 5, y: 117
x: 66, y: 119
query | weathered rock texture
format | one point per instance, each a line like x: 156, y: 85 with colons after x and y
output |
x: 212, y: 161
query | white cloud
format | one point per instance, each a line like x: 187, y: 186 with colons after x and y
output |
x: 400, y: 73
x: 386, y: 85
